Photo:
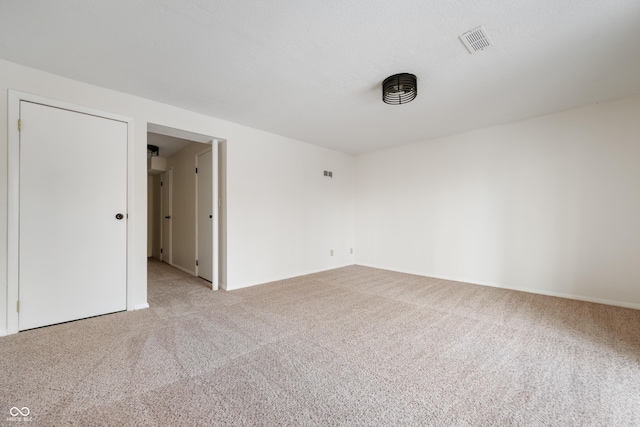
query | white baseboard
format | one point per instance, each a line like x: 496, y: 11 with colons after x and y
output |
x: 141, y: 306
x: 516, y: 288
x: 275, y: 279
x: 3, y: 333
x: 193, y: 273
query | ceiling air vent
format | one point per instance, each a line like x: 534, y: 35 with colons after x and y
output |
x: 476, y: 39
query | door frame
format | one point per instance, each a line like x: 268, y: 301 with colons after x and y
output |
x: 214, y: 144
x: 13, y: 202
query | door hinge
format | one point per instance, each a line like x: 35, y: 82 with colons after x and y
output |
x: 196, y: 170
x: 161, y: 183
x: 196, y: 262
x: 160, y: 250
x: 219, y: 202
x: 18, y: 306
x: 19, y: 125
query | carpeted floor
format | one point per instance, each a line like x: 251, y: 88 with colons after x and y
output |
x: 352, y: 346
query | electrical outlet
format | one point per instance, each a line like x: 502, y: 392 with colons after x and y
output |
x: 331, y: 253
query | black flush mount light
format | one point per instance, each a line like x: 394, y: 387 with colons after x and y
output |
x: 399, y: 89
x: 153, y: 150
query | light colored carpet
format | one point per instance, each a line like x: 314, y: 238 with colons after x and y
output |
x: 352, y: 346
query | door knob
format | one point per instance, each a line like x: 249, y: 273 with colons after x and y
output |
x: 168, y: 217
x: 119, y: 216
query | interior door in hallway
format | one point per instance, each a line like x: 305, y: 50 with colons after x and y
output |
x: 204, y: 183
x: 72, y: 215
x: 165, y: 215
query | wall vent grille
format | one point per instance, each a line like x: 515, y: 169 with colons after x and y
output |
x: 476, y: 39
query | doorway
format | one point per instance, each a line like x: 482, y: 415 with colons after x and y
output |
x: 193, y: 229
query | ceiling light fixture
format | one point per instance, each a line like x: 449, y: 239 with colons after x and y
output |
x: 399, y: 89
x: 152, y: 151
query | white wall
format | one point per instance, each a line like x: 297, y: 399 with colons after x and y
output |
x: 282, y: 215
x: 550, y: 205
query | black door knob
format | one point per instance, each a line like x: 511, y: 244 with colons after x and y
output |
x: 168, y: 217
x: 119, y: 216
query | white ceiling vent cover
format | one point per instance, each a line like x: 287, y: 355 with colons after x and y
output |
x: 476, y: 39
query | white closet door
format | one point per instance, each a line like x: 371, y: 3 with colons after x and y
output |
x: 73, y: 215
x: 205, y: 216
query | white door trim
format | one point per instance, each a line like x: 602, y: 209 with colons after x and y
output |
x: 215, y: 143
x: 13, y: 199
x: 215, y: 167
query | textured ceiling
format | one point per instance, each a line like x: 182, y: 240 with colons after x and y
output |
x: 312, y: 70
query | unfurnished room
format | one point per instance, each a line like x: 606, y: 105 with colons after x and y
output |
x: 305, y: 213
